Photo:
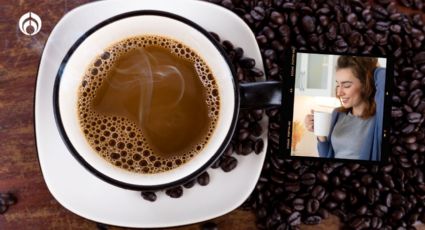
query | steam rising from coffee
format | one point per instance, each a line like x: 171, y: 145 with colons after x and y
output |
x: 144, y: 72
x: 148, y: 104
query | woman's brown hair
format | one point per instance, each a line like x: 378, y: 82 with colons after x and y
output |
x: 362, y: 68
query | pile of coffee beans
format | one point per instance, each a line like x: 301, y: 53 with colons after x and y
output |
x: 364, y: 196
x: 6, y: 199
x: 246, y: 139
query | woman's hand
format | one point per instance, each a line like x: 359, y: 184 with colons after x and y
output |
x: 309, y: 121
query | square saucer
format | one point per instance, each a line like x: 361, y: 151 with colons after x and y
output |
x: 84, y: 194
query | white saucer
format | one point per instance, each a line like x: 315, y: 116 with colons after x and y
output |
x: 84, y: 194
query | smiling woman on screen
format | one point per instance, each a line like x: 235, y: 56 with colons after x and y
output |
x: 352, y: 133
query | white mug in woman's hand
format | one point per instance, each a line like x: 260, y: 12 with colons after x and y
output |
x: 322, y: 123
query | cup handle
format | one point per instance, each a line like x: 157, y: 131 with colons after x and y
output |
x: 259, y: 95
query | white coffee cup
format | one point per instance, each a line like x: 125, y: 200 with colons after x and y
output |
x: 322, y: 123
x: 115, y: 29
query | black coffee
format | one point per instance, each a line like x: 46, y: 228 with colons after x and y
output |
x: 148, y: 104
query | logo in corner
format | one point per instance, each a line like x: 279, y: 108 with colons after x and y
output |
x: 30, y: 24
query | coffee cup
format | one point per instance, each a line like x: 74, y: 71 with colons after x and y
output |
x: 322, y: 123
x: 157, y: 23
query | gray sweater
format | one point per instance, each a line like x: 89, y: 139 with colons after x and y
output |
x: 348, y: 135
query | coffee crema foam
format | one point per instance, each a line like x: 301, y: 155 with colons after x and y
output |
x: 120, y: 140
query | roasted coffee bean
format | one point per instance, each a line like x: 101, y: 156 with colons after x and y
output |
x: 308, y: 179
x: 258, y: 146
x: 258, y: 13
x: 238, y: 53
x: 227, y: 45
x: 413, y: 218
x: 414, y: 117
x: 397, y: 214
x: 8, y: 198
x: 380, y: 210
x: 352, y: 198
x: 308, y: 23
x: 409, y: 139
x: 209, y: 226
x: 269, y: 33
x: 257, y: 114
x: 256, y: 129
x: 277, y: 18
x: 203, y: 179
x: 344, y: 28
x: 322, y: 177
x: 283, y: 226
x: 415, y: 96
x: 312, y: 206
x: 318, y: 192
x: 175, y: 192
x: 324, y: 20
x: 215, y: 36
x: 361, y: 210
x: 388, y: 181
x: 298, y: 204
x: 419, y: 58
x: 216, y: 164
x: 323, y: 213
x: 292, y: 186
x: 312, y: 220
x: 245, y: 147
x: 149, y: 196
x: 294, y: 219
x: 292, y: 176
x: 3, y: 208
x: 339, y: 195
x: 300, y: 40
x: 356, y: 183
x: 229, y: 150
x: 284, y: 209
x: 388, y: 199
x: 255, y: 72
x: 345, y: 172
x: 243, y: 123
x: 243, y: 134
x: 262, y: 213
x: 190, y: 184
x: 336, y: 181
x: 331, y: 205
x: 261, y: 39
x: 396, y: 112
x: 352, y: 19
x: 270, y: 54
x: 379, y: 12
x: 247, y: 62
x: 332, y: 32
x: 382, y: 26
x: 376, y: 223
x: 407, y: 128
x: 341, y: 214
x: 360, y: 223
x: 100, y: 226
x: 372, y: 195
x: 227, y: 164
